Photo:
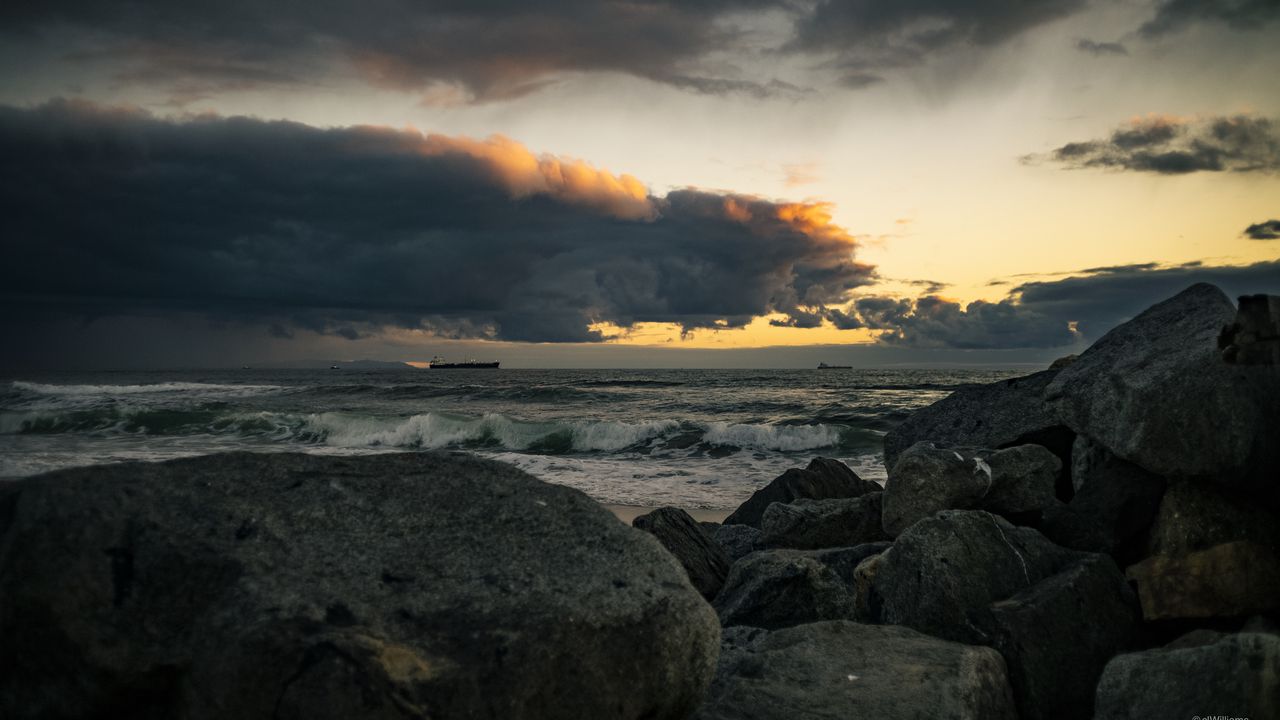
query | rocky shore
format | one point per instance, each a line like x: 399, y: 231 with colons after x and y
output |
x: 1101, y: 539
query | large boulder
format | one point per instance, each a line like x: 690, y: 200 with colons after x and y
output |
x: 1225, y: 581
x: 926, y: 479
x: 1156, y: 392
x: 1229, y: 676
x: 1196, y: 516
x: 1022, y: 480
x: 285, y: 585
x: 997, y: 415
x: 945, y: 570
x: 814, y: 524
x: 738, y: 541
x: 842, y: 669
x: 1111, y: 513
x: 702, y: 557
x: 1057, y: 635
x: 821, y: 480
x: 781, y: 588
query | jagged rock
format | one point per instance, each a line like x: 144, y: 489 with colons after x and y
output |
x: 813, y: 524
x: 926, y: 479
x: 702, y: 557
x: 286, y: 585
x: 1235, y: 676
x: 1254, y: 337
x: 1057, y: 635
x: 945, y: 569
x: 1112, y: 511
x: 821, y: 480
x: 780, y: 588
x: 845, y: 670
x: 738, y: 541
x: 1156, y: 392
x: 1228, y: 580
x: 997, y: 415
x: 1022, y: 480
x: 1196, y: 516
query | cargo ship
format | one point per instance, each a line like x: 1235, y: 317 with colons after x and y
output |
x: 824, y: 366
x: 438, y: 363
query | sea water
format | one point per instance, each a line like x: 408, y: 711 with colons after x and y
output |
x: 690, y: 438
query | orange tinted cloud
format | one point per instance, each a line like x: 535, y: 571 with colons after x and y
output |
x: 524, y: 174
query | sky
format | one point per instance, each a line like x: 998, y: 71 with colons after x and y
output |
x: 649, y: 183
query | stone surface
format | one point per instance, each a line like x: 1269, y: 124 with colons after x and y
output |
x: 1254, y: 337
x: 1057, y: 635
x: 781, y: 588
x: 1196, y: 516
x: 283, y: 585
x: 1228, y: 580
x: 813, y: 524
x: 701, y: 556
x: 1234, y: 676
x: 1111, y: 513
x: 841, y: 669
x: 926, y: 479
x: 997, y: 415
x: 1022, y: 480
x: 944, y: 570
x: 1156, y: 392
x: 738, y: 541
x: 821, y: 480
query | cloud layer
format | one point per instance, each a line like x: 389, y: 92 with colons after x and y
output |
x: 456, y: 51
x: 1050, y: 313
x: 1177, y: 146
x: 1268, y: 230
x: 342, y: 231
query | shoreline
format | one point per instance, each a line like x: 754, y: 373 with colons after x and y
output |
x: 628, y: 513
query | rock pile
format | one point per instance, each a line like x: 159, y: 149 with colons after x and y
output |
x: 1104, y: 534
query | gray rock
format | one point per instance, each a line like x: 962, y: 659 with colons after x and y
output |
x: 813, y: 524
x: 1254, y: 337
x: 701, y: 556
x: 1022, y: 480
x: 1057, y: 635
x: 738, y: 541
x: 1111, y: 513
x: 781, y: 588
x: 821, y: 480
x: 1196, y: 516
x: 1236, y: 676
x: 997, y: 415
x: 945, y: 569
x: 845, y: 670
x: 283, y: 585
x: 926, y: 479
x: 1156, y: 392
x: 1086, y: 456
x: 1225, y: 581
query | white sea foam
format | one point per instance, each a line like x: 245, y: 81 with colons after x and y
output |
x: 784, y: 438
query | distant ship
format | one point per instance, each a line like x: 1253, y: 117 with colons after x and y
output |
x: 438, y: 363
x: 824, y: 366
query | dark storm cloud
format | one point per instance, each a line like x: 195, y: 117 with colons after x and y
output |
x: 1053, y: 313
x: 348, y: 231
x: 873, y: 34
x: 1175, y: 15
x: 1269, y: 230
x: 492, y: 49
x: 1094, y: 47
x: 1174, y: 146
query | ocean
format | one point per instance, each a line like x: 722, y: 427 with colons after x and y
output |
x: 690, y: 438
